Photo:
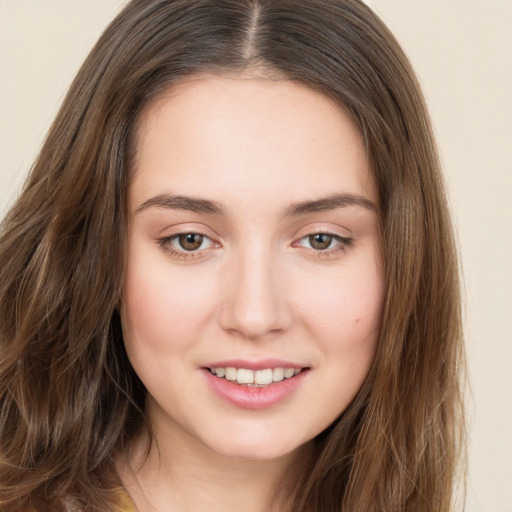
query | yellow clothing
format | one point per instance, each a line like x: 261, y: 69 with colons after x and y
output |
x: 125, y: 502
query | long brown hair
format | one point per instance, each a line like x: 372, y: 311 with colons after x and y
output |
x: 69, y: 399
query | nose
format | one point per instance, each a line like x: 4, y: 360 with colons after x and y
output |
x: 255, y: 300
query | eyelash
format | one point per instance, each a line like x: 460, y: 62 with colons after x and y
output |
x: 344, y: 243
x: 166, y: 244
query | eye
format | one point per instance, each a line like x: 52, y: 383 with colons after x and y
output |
x: 186, y: 244
x: 190, y: 241
x: 320, y: 241
x: 325, y: 242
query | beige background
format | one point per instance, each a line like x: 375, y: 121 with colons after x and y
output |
x: 462, y: 51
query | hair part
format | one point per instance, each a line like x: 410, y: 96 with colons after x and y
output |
x: 70, y: 401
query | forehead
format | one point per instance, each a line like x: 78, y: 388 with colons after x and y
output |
x: 245, y: 134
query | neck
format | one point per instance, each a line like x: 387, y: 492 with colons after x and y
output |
x: 181, y: 474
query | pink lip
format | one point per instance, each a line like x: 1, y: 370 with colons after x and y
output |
x: 253, y: 397
x: 254, y: 365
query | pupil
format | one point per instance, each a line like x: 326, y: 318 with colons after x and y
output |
x: 320, y: 241
x: 191, y: 241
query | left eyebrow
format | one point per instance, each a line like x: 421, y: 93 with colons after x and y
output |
x: 329, y: 203
x: 187, y: 203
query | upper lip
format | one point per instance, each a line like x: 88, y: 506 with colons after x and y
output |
x: 261, y: 364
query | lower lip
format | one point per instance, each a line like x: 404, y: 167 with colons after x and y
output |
x: 254, y: 397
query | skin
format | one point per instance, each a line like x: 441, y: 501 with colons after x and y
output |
x: 255, y: 289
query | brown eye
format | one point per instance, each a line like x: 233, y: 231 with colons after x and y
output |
x: 320, y: 241
x: 190, y: 241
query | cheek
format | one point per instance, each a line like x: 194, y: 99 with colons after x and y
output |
x: 343, y: 315
x: 345, y: 307
x: 162, y: 308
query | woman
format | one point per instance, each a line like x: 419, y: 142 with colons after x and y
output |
x: 230, y: 280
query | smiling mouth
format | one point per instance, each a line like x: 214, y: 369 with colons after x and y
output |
x: 255, y: 378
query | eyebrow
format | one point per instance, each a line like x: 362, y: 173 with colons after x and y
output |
x: 197, y: 205
x: 187, y: 203
x: 329, y: 203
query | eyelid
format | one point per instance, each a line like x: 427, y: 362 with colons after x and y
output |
x: 344, y: 242
x: 166, y: 243
x: 180, y: 228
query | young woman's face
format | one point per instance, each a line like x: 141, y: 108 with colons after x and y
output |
x: 254, y: 284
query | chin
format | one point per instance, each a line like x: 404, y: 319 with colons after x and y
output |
x: 265, y: 446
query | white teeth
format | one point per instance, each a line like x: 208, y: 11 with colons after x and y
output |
x: 230, y: 373
x: 289, y: 372
x: 263, y: 377
x: 255, y: 378
x: 277, y: 374
x: 244, y: 376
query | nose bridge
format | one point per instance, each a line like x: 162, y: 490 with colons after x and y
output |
x: 255, y: 303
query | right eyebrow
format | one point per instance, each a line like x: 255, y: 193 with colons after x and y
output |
x: 330, y: 203
x: 177, y: 202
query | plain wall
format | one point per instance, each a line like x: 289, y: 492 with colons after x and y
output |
x: 462, y: 52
